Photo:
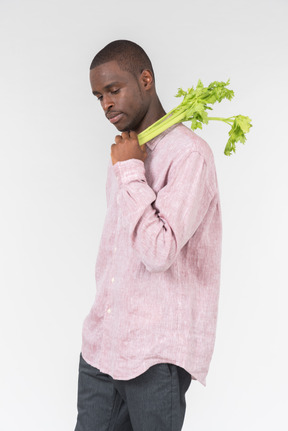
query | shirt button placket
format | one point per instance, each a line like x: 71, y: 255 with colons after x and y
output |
x: 108, y: 329
x: 109, y: 309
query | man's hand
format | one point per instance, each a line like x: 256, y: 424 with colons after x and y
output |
x: 127, y: 147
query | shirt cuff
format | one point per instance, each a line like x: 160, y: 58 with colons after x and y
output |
x: 129, y: 170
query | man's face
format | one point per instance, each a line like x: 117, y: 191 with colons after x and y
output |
x: 121, y: 95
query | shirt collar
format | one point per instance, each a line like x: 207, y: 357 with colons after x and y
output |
x: 155, y: 141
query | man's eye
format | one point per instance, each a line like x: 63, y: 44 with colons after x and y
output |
x: 100, y: 98
x: 115, y: 91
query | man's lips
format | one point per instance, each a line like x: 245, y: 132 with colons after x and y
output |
x: 114, y: 117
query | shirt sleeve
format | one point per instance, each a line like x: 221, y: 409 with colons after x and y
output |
x: 160, y: 225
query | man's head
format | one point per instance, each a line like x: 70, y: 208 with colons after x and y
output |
x: 122, y: 79
x: 129, y: 56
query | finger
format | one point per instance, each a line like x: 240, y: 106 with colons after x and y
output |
x: 113, y: 146
x: 125, y: 135
x: 118, y: 139
x: 143, y: 148
x: 133, y: 135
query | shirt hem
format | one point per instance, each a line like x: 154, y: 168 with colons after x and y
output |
x: 146, y: 365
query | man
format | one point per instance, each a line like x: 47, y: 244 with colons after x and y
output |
x: 152, y: 326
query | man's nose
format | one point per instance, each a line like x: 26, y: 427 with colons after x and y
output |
x: 107, y: 103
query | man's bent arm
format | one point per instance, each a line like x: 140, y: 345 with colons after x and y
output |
x: 161, y: 225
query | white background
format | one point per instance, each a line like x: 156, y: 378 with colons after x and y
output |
x: 55, y: 145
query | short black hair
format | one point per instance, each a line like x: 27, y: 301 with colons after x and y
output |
x: 129, y: 56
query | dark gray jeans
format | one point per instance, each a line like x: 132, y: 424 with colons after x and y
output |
x: 153, y: 401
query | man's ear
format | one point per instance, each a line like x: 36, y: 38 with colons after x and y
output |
x: 147, y: 79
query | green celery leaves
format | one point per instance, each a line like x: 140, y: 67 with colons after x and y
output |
x: 240, y: 126
x: 194, y: 108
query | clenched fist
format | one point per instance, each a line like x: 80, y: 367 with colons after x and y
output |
x: 127, y: 147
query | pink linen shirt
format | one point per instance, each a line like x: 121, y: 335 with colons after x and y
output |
x: 158, y: 267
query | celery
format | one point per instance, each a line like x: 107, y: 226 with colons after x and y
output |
x: 193, y: 108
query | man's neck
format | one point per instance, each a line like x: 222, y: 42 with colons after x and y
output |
x: 156, y: 111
